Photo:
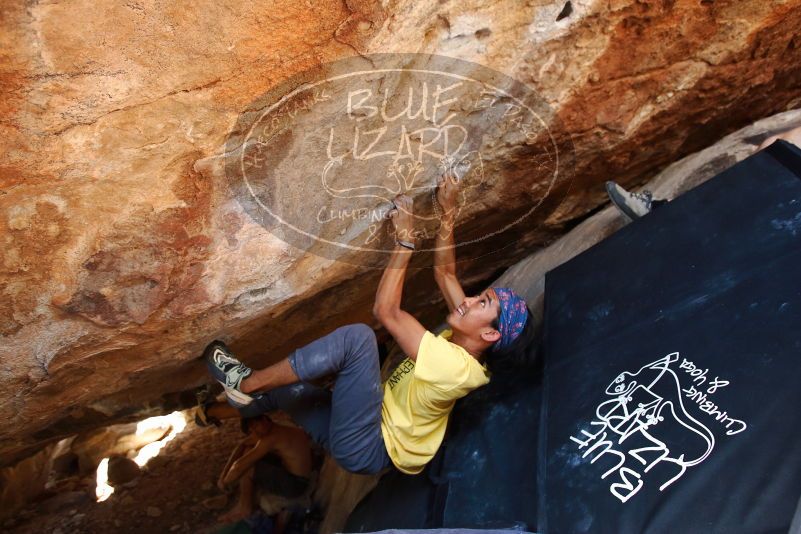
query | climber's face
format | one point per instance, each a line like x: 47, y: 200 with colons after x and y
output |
x: 477, y: 316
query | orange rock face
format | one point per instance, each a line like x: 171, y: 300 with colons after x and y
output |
x: 124, y: 251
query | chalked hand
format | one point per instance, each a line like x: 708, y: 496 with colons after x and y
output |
x: 402, y: 216
x: 447, y: 191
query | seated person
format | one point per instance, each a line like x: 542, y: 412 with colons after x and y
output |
x: 274, y: 459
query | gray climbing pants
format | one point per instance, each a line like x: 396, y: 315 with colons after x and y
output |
x: 347, y: 421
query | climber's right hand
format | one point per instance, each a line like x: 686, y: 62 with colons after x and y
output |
x: 447, y: 191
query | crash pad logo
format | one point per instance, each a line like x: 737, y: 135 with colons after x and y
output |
x: 320, y: 158
x: 658, y: 419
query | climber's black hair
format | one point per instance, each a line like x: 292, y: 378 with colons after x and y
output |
x: 521, y: 353
x: 244, y: 423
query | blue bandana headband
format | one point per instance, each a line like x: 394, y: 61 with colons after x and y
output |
x: 512, y: 318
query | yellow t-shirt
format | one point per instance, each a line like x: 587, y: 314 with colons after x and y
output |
x: 419, y: 397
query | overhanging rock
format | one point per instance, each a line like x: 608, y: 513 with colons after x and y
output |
x: 125, y: 252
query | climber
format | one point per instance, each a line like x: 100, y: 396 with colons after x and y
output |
x: 367, y: 427
x: 274, y: 459
x: 635, y: 205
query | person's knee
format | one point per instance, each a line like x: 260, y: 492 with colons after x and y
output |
x: 359, y: 330
x: 361, y: 337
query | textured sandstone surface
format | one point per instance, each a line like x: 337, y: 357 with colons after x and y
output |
x: 124, y: 251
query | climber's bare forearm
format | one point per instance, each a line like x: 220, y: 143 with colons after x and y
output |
x: 445, y: 263
x: 246, y: 461
x: 234, y: 455
x: 401, y: 325
x: 390, y: 287
x: 444, y: 250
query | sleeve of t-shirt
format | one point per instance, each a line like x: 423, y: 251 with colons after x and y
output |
x: 444, y: 366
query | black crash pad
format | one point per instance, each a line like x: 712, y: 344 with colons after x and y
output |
x: 706, y: 281
x: 484, y: 475
x: 398, y: 502
x: 673, y: 364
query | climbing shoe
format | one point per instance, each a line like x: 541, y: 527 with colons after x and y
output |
x: 228, y: 371
x: 631, y: 205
